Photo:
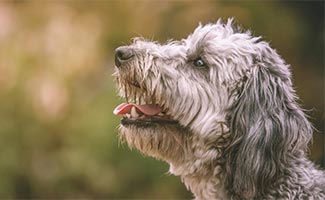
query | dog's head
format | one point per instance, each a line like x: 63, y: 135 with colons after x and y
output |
x: 218, y: 96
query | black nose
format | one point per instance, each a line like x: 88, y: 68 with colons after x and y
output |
x: 123, y: 54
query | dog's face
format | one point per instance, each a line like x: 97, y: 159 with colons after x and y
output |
x: 181, y: 92
x: 217, y: 98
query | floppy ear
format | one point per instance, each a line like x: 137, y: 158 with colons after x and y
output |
x: 266, y: 125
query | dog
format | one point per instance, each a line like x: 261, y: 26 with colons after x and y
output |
x: 220, y: 108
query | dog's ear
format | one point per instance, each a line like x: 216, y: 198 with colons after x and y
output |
x: 266, y: 125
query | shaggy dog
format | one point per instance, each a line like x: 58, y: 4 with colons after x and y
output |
x: 220, y: 108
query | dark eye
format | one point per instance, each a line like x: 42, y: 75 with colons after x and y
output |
x: 199, y: 63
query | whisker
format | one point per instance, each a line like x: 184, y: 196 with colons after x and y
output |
x: 126, y: 93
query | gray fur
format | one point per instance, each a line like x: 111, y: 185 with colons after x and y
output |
x: 240, y: 133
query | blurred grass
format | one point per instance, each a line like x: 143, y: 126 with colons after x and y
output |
x: 58, y: 136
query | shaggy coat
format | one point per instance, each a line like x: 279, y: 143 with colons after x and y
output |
x: 229, y: 125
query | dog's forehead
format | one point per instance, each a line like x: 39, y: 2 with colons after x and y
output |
x: 209, y: 37
x: 219, y: 39
x: 210, y: 32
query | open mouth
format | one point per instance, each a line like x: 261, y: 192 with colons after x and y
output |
x: 141, y: 107
x: 142, y: 115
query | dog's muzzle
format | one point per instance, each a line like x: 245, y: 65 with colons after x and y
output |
x: 123, y: 54
x: 137, y: 112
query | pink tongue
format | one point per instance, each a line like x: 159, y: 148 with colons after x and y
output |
x: 147, y: 109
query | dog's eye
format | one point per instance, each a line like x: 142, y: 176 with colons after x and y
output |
x: 199, y: 63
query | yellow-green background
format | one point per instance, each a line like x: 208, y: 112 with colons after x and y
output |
x: 58, y: 136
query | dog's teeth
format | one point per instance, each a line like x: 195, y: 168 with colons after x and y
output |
x: 134, y: 113
x: 161, y: 114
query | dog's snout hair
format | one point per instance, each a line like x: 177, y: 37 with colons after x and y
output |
x: 220, y: 108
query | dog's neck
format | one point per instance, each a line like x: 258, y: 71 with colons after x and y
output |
x: 208, y: 181
x: 202, y: 167
x: 204, y: 182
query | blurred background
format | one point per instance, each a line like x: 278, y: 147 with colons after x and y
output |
x: 58, y: 136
